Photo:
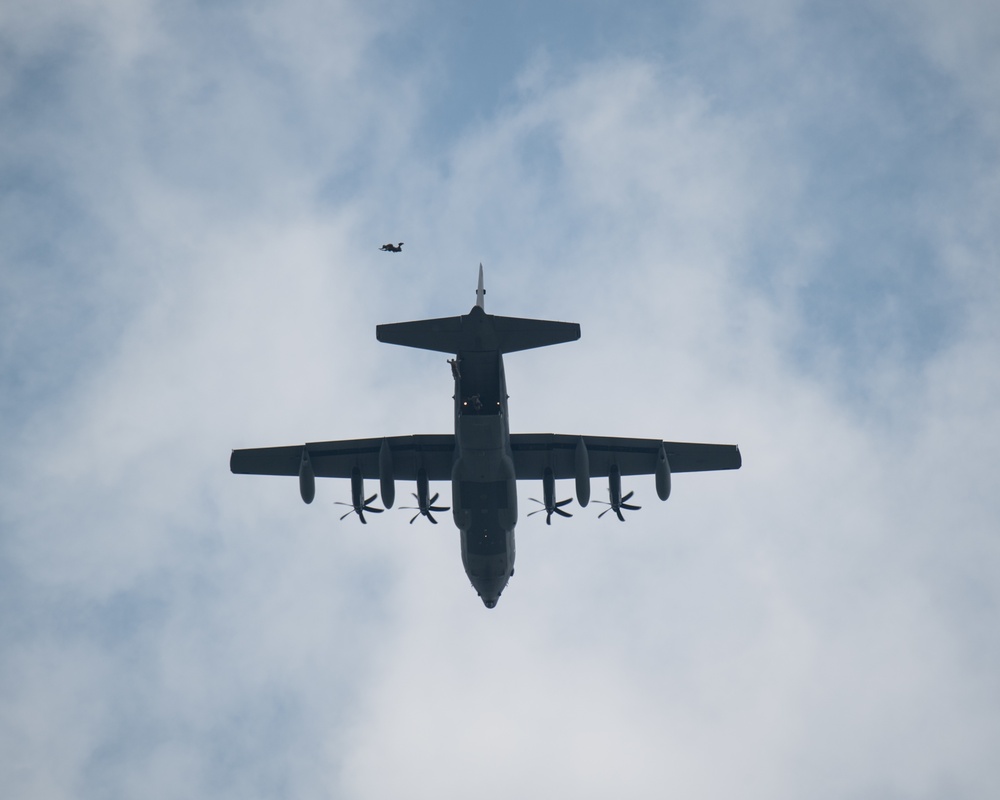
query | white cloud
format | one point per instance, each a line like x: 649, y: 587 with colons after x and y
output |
x: 819, y: 622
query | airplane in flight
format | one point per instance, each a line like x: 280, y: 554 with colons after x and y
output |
x: 392, y: 248
x: 482, y: 458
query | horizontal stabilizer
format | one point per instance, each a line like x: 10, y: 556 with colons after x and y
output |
x: 478, y: 331
x: 515, y: 333
x: 426, y: 334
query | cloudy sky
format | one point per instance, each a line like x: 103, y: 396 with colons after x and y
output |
x: 777, y: 228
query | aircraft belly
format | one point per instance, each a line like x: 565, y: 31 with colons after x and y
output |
x: 484, y: 499
x: 484, y: 507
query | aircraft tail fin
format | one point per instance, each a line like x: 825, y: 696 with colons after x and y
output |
x: 478, y: 331
x: 517, y: 333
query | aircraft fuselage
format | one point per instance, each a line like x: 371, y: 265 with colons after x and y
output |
x: 484, y: 485
x: 483, y: 459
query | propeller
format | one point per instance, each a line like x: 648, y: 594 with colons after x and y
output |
x: 360, y: 508
x: 549, y: 493
x: 555, y: 509
x: 426, y: 509
x: 617, y: 507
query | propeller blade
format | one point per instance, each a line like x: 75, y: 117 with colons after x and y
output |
x: 360, y: 511
x: 561, y: 513
x: 425, y: 511
x: 367, y: 506
x: 617, y: 509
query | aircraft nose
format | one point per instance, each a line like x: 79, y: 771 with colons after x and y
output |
x: 489, y: 589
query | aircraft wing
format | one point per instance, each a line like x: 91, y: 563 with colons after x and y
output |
x: 533, y: 452
x: 433, y: 452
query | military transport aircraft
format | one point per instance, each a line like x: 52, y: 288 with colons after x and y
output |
x: 483, y: 459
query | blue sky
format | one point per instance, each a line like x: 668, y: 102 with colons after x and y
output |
x: 776, y: 226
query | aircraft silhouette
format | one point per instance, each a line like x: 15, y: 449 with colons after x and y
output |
x: 482, y: 458
x: 392, y: 248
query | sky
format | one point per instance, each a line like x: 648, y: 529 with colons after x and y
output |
x: 776, y: 225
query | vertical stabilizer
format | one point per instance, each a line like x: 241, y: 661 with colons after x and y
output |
x: 480, y: 291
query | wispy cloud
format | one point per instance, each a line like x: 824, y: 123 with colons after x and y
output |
x: 775, y: 231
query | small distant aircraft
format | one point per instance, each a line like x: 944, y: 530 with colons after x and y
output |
x: 392, y: 248
x: 482, y: 458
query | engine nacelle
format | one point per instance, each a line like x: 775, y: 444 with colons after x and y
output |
x: 662, y: 475
x: 307, y: 478
x: 549, y: 489
x: 386, y: 480
x: 582, y: 463
x: 357, y: 488
x: 423, y: 489
x: 615, y: 485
